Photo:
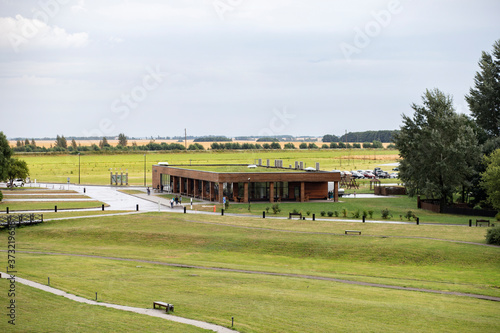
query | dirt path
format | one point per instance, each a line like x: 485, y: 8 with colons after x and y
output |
x: 301, y: 276
x: 148, y: 312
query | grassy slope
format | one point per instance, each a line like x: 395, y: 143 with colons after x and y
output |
x: 39, y: 311
x: 271, y: 303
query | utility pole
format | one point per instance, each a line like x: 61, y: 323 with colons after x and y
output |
x: 185, y: 139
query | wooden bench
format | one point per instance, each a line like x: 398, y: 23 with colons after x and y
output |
x: 480, y: 222
x: 347, y: 232
x: 168, y: 307
x: 295, y: 214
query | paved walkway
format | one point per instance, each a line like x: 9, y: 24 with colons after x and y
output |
x: 148, y: 312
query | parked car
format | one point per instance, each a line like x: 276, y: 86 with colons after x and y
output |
x: 394, y: 175
x: 368, y: 174
x: 357, y: 175
x: 16, y: 183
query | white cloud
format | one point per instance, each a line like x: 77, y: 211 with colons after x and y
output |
x: 21, y: 33
x: 79, y: 7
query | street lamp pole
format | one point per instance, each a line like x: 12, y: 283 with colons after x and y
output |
x: 144, y: 170
x: 78, y: 168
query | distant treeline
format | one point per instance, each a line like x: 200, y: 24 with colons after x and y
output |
x: 367, y: 136
x: 211, y: 138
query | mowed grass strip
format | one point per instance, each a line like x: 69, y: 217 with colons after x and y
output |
x: 40, y: 311
x: 397, y: 206
x: 171, y: 238
x: 48, y: 205
x: 263, y: 303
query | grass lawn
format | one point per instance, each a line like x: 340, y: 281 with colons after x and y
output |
x: 48, y: 205
x: 39, y: 311
x: 397, y: 206
x: 262, y: 303
x: 95, y: 169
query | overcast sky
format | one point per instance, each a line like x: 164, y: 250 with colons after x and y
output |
x: 232, y: 67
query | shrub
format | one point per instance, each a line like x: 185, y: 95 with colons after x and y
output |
x: 1, y: 196
x: 295, y: 211
x: 365, y: 214
x: 493, y: 236
x: 386, y: 214
x: 370, y: 212
x: 276, y: 208
x: 267, y: 209
x: 323, y: 213
x: 308, y: 212
x: 355, y: 214
x: 409, y: 215
x: 336, y: 213
x: 344, y: 212
x: 496, y: 216
x: 330, y: 213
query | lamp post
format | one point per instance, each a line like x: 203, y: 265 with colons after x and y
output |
x: 144, y: 170
x: 78, y: 168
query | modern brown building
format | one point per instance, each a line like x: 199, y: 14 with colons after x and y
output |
x: 243, y: 183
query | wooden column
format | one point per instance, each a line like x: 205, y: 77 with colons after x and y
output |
x: 221, y: 191
x: 174, y: 184
x: 302, y: 192
x: 235, y: 191
x: 195, y: 187
x: 212, y: 190
x: 245, y: 191
x: 181, y: 185
x: 336, y: 191
x: 271, y: 192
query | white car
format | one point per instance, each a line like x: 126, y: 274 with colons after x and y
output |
x: 16, y: 183
x: 394, y: 175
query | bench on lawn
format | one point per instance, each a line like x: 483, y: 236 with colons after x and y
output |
x: 168, y: 307
x: 295, y: 214
x: 347, y: 232
x: 480, y: 222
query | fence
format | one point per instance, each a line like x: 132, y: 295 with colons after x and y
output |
x: 20, y: 219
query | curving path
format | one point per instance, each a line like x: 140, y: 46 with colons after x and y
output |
x: 244, y: 271
x: 148, y: 312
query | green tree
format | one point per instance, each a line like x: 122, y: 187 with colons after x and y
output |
x: 491, y: 178
x: 303, y: 145
x: 438, y: 148
x: 484, y: 98
x: 5, y: 155
x: 104, y: 143
x: 16, y: 169
x: 61, y: 142
x: 122, y: 140
x: 74, y: 145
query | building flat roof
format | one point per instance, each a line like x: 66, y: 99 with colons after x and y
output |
x: 236, y: 168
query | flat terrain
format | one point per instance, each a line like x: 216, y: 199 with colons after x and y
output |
x: 96, y: 168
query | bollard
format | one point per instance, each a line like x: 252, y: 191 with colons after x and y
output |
x: 364, y: 219
x: 418, y: 220
x: 7, y: 210
x: 137, y: 207
x: 470, y: 223
x: 222, y: 212
x: 55, y: 209
x: 184, y: 209
x: 303, y: 218
x: 263, y: 214
x: 84, y: 190
x: 96, y: 296
x: 314, y: 217
x: 232, y: 321
x: 103, y: 207
x: 48, y: 281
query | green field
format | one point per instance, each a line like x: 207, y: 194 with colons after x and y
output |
x: 385, y: 254
x: 96, y: 168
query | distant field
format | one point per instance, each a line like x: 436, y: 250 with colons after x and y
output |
x: 50, y: 143
x: 95, y: 169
